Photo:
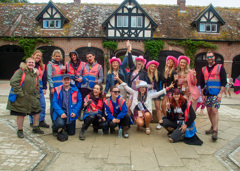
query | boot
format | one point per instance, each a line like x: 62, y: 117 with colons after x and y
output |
x: 214, y: 135
x: 37, y: 130
x: 125, y: 134
x: 20, y: 134
x: 43, y: 124
x: 81, y: 135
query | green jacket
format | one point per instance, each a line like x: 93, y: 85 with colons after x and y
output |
x: 28, y: 96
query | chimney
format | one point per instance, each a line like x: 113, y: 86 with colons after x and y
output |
x: 77, y: 2
x: 181, y: 4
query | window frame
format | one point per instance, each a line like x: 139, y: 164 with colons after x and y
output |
x: 123, y: 19
x: 206, y: 24
x: 136, y: 21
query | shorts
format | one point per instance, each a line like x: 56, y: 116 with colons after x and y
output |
x: 211, y: 101
x: 23, y: 114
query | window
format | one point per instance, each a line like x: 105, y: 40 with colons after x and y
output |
x: 122, y: 21
x: 208, y: 27
x: 136, y: 21
x: 52, y: 24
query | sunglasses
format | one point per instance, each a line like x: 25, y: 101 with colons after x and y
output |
x: 116, y: 92
x: 209, y: 57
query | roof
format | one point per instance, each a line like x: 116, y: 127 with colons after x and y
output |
x: 86, y: 20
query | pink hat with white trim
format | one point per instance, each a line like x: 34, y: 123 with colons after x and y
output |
x: 184, y: 57
x: 174, y: 60
x: 141, y: 58
x: 115, y: 59
x: 152, y: 62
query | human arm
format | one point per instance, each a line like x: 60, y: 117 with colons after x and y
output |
x: 130, y: 62
x: 56, y: 106
x: 15, y: 82
x: 123, y: 112
x: 108, y: 83
x: 223, y: 79
x: 108, y: 112
x: 44, y: 79
x: 193, y: 77
x: 161, y: 92
x: 100, y: 76
x: 192, y: 116
x: 78, y: 106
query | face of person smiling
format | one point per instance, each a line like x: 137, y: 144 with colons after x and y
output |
x: 152, y: 68
x: 66, y: 82
x: 30, y: 63
x: 96, y: 90
x: 183, y: 63
x: 57, y: 57
x: 210, y: 58
x: 176, y: 96
x: 170, y: 63
x: 142, y: 90
x: 139, y: 64
x: 37, y: 57
x: 73, y: 56
x: 115, y: 92
x: 115, y: 64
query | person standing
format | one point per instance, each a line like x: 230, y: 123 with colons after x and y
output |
x: 37, y: 56
x: 54, y: 75
x: 24, y: 96
x: 67, y: 102
x: 213, y: 82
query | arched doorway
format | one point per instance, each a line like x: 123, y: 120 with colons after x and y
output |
x: 98, y: 52
x: 235, y: 67
x: 122, y: 52
x: 47, y: 53
x: 10, y: 58
x: 200, y: 61
x: 163, y: 56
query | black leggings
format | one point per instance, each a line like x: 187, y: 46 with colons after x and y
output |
x: 176, y: 135
x: 123, y: 122
x: 93, y: 119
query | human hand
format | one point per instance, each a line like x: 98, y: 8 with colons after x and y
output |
x: 44, y: 91
x: 183, y: 128
x: 167, y: 104
x: 52, y: 90
x: 204, y: 99
x: 63, y: 116
x: 219, y: 97
x: 96, y: 81
x: 194, y: 72
x: 73, y: 115
x: 79, y: 80
x: 103, y: 118
x: 115, y: 120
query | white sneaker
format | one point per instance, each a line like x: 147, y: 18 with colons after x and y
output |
x: 159, y: 126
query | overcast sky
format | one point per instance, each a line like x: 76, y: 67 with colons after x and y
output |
x: 216, y: 3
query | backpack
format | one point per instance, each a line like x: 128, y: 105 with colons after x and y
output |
x: 62, y: 136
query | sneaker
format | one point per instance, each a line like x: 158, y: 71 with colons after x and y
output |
x: 81, y: 135
x: 43, y: 124
x: 210, y: 131
x: 125, y: 133
x: 20, y: 134
x: 31, y: 125
x: 214, y: 135
x: 37, y: 130
x: 159, y: 126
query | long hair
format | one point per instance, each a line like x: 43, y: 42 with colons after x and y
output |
x: 186, y: 70
x: 57, y: 51
x: 140, y: 96
x: 182, y: 100
x: 40, y: 62
x: 100, y: 95
x: 171, y: 70
x: 155, y: 74
x: 111, y: 69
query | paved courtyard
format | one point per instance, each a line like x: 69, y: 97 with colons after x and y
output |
x: 108, y: 152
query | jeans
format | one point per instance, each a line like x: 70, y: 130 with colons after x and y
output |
x: 51, y: 109
x: 61, y: 123
x: 43, y: 109
x: 93, y: 119
x: 123, y: 122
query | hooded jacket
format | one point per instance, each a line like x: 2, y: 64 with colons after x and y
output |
x: 28, y: 95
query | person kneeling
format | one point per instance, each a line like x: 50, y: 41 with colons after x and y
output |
x: 93, y: 114
x: 116, y: 111
x: 67, y: 102
x: 180, y: 118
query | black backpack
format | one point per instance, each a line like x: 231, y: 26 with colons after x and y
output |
x: 62, y: 136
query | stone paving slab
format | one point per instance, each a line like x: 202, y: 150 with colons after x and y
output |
x: 185, y: 151
x: 119, y: 155
x: 99, y: 152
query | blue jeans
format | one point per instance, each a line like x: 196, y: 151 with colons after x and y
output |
x: 43, y: 109
x: 61, y: 123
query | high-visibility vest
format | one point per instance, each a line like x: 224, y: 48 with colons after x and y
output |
x: 94, y: 71
x: 41, y: 72
x: 56, y: 75
x: 213, y: 80
x: 12, y: 96
x: 93, y: 108
x: 74, y: 94
x: 109, y: 104
x: 72, y: 72
x: 190, y: 131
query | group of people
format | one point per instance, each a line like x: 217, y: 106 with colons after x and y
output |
x: 77, y: 88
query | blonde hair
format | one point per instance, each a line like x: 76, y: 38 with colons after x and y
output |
x: 40, y: 62
x: 111, y: 69
x: 186, y: 70
x: 57, y: 51
x: 171, y: 70
x: 155, y: 73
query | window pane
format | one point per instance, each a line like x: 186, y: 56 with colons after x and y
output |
x: 45, y: 23
x: 202, y: 27
x: 51, y: 24
x: 133, y: 21
x: 208, y: 27
x: 214, y: 27
x: 125, y: 21
x: 139, y: 21
x: 119, y: 21
x: 57, y: 23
